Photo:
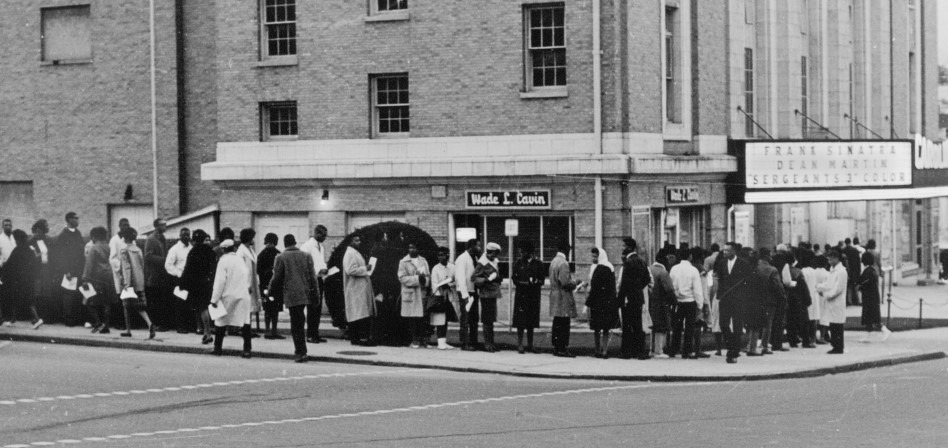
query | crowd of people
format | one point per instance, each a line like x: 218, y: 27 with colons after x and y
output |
x: 750, y: 301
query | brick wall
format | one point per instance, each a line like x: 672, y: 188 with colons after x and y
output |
x: 82, y: 132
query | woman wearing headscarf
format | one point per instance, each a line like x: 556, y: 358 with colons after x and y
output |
x: 198, y: 280
x: 248, y: 255
x: 18, y: 277
x: 232, y: 292
x: 601, y: 300
x: 43, y: 282
x: 98, y: 274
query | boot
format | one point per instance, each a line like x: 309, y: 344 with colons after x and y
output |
x: 248, y: 336
x: 443, y: 344
x: 752, y: 350
x: 219, y: 333
x: 489, y: 338
x: 659, y: 348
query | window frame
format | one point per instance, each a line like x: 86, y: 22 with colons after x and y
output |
x: 266, y: 108
x: 804, y: 93
x: 530, y: 90
x: 265, y: 58
x: 682, y: 129
x: 376, y: 14
x: 43, y: 59
x: 749, y: 93
x: 374, y: 105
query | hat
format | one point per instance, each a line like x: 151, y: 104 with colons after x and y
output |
x: 781, y: 247
x: 493, y: 246
x: 227, y: 243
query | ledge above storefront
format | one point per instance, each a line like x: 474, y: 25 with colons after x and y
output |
x: 526, y: 155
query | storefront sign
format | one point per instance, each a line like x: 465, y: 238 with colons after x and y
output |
x: 929, y: 155
x: 537, y: 199
x: 827, y: 165
x: 681, y: 195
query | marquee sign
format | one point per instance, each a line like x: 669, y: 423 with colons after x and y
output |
x: 508, y: 199
x: 827, y: 165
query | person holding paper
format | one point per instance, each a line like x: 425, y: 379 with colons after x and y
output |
x: 45, y: 283
x: 133, y: 282
x: 272, y: 304
x: 441, y: 307
x: 415, y: 277
x: 18, y: 279
x: 487, y: 279
x: 115, y: 246
x: 315, y: 247
x: 463, y: 271
x: 248, y: 254
x: 97, y: 277
x: 294, y: 283
x: 360, y: 299
x: 602, y: 301
x: 231, y: 293
x: 69, y: 258
x: 198, y: 280
x: 528, y: 276
x: 174, y: 265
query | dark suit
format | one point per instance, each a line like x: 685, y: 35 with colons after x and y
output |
x: 631, y: 297
x: 853, y: 269
x: 732, y: 289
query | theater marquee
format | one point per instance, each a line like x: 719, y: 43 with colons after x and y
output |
x: 827, y: 165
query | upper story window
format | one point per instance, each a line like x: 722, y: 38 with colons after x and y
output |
x: 278, y: 29
x: 673, y: 98
x: 546, y: 46
x: 278, y: 121
x: 391, y: 5
x: 804, y: 93
x: 750, y: 129
x: 390, y: 108
x: 387, y: 10
x: 66, y: 34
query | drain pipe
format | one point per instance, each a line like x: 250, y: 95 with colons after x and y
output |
x: 597, y: 112
x: 154, y: 113
x: 730, y: 222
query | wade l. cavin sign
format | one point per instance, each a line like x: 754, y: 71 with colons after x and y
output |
x: 827, y: 165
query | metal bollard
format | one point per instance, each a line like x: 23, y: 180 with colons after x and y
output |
x: 920, y: 301
x: 888, y: 315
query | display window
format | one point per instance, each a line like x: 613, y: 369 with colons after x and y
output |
x: 543, y: 231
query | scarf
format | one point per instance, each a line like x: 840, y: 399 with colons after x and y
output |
x: 603, y: 261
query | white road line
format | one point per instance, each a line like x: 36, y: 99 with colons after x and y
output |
x: 16, y: 401
x: 378, y: 412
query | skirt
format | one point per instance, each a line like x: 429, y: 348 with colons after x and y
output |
x: 604, y: 318
x: 526, y: 312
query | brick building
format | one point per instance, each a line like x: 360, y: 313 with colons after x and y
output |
x: 613, y: 117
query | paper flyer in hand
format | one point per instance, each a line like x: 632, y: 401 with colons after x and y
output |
x: 332, y: 271
x: 216, y: 312
x: 88, y: 291
x: 180, y: 293
x: 372, y: 262
x: 128, y: 293
x: 445, y: 282
x: 70, y: 283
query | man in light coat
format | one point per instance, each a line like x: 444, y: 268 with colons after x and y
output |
x: 833, y: 290
x: 232, y: 292
x: 294, y: 280
x: 116, y: 244
x: 686, y: 279
x: 562, y: 303
x: 174, y: 264
x: 316, y: 249
x: 464, y: 267
x: 414, y: 275
x: 7, y: 244
x: 360, y: 299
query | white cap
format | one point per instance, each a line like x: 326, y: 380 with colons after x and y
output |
x: 227, y: 243
x: 493, y: 246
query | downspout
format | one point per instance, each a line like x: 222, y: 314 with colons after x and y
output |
x: 154, y: 112
x: 597, y: 113
x: 730, y: 213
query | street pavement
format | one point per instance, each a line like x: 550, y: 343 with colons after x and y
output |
x: 58, y: 395
x: 905, y: 346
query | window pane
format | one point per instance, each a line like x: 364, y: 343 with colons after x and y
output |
x: 555, y: 229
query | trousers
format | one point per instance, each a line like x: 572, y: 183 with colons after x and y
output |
x: 560, y: 333
x: 297, y: 328
x: 633, y: 335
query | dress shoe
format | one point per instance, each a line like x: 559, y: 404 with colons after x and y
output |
x: 782, y: 349
x: 161, y: 329
x: 766, y: 352
x: 207, y: 339
x: 278, y: 336
x: 315, y: 340
x: 268, y: 336
x: 732, y: 360
x: 96, y: 328
x: 521, y: 350
x: 564, y: 354
x: 215, y: 352
x: 126, y: 334
x: 468, y: 348
x: 810, y: 345
x: 598, y: 355
x: 301, y: 359
x: 821, y: 342
x: 701, y: 355
x: 835, y: 352
x: 151, y: 332
x: 105, y: 330
x: 490, y: 348
x: 754, y: 354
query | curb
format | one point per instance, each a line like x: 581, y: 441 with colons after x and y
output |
x: 823, y: 371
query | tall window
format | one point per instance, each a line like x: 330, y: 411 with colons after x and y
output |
x: 673, y: 67
x: 391, y: 106
x: 65, y: 34
x: 750, y: 129
x: 391, y: 5
x: 278, y: 35
x: 803, y: 93
x: 278, y: 121
x: 913, y: 24
x: 546, y: 46
x: 913, y: 94
x: 852, y: 94
x: 750, y: 11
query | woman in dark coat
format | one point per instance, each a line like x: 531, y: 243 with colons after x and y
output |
x: 98, y: 273
x: 271, y: 305
x: 44, y: 283
x: 18, y: 276
x: 868, y: 285
x: 198, y: 280
x: 601, y: 301
x: 528, y: 277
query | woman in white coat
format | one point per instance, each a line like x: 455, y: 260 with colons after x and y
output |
x: 814, y: 273
x: 232, y: 292
x: 248, y: 254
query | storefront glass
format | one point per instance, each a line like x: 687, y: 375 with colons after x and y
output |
x: 543, y: 231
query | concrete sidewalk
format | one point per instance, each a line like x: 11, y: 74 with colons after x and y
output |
x: 902, y: 347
